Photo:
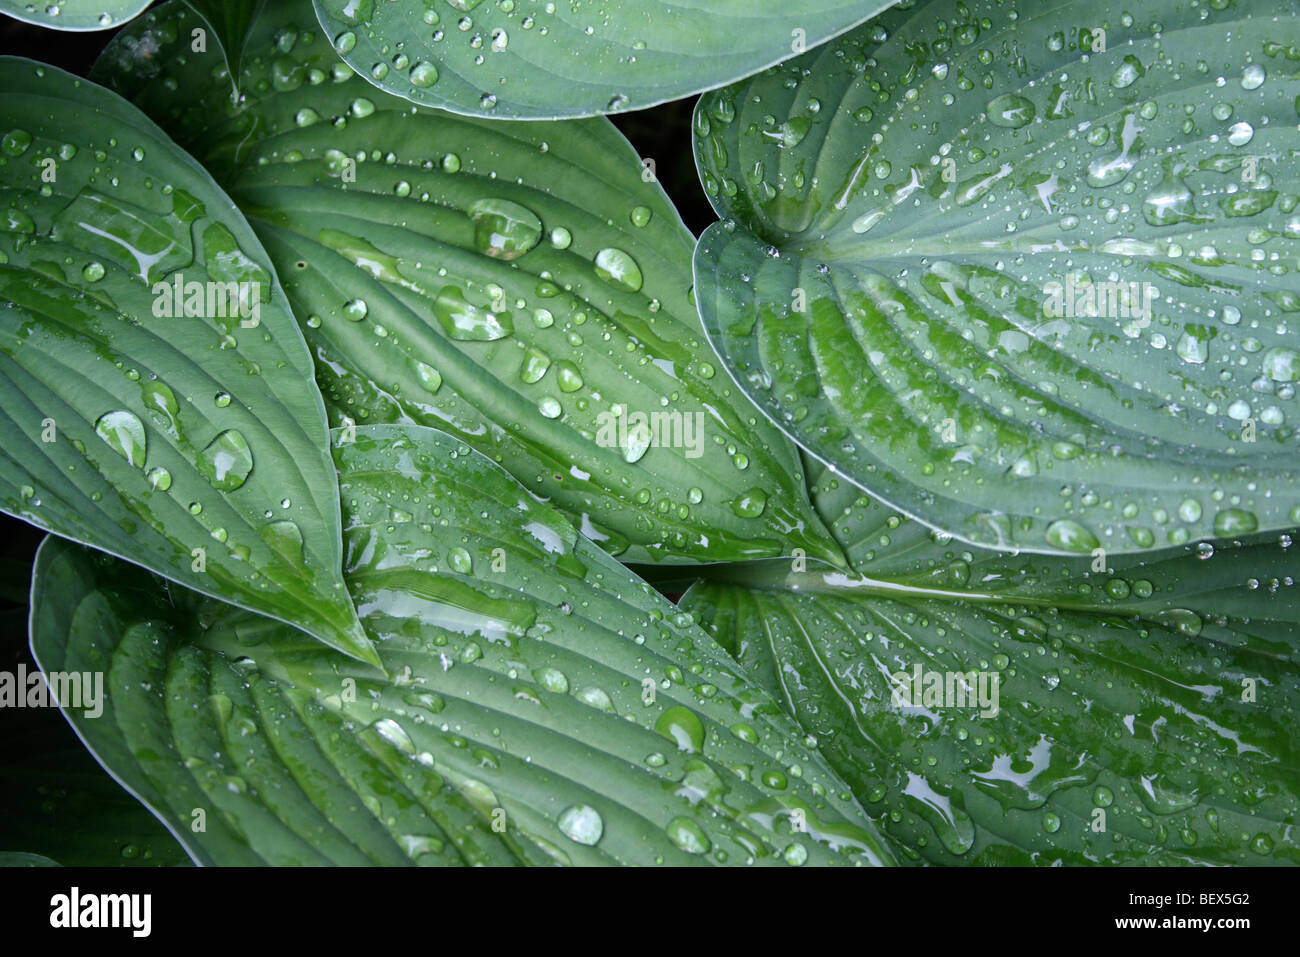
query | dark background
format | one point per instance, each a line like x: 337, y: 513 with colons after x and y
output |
x: 55, y: 800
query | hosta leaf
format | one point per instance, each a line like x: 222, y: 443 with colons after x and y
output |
x: 944, y: 232
x: 74, y: 14
x: 1145, y: 714
x: 231, y: 21
x: 24, y: 859
x: 547, y: 61
x: 531, y: 682
x: 55, y: 799
x: 194, y: 445
x: 516, y: 285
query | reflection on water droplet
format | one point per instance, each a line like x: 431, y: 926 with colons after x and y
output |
x: 581, y: 824
x: 1128, y: 72
x: 534, y: 366
x: 502, y: 229
x: 429, y: 377
x: 1235, y: 521
x: 1252, y: 78
x: 683, y: 727
x: 567, y: 376
x: 159, y: 478
x: 286, y: 538
x: 423, y: 74
x: 1068, y: 535
x: 552, y: 679
x: 750, y: 504
x: 226, y: 462
x: 1010, y: 110
x: 619, y: 269
x: 15, y: 142
x: 124, y: 433
x: 688, y: 835
x: 460, y: 561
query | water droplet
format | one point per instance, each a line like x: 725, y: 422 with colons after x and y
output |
x: 619, y: 269
x: 124, y: 433
x: 750, y: 504
x: 159, y: 478
x: 1280, y: 364
x: 356, y: 310
x: 93, y: 272
x: 285, y: 537
x: 1010, y: 110
x: 1239, y: 134
x: 683, y: 727
x: 1252, y: 78
x: 535, y: 365
x: 429, y: 377
x: 640, y: 216
x: 567, y: 376
x: 1068, y: 535
x: 581, y: 824
x: 423, y: 74
x: 460, y: 561
x: 15, y: 142
x: 552, y: 679
x: 504, y: 230
x: 688, y: 835
x: 550, y: 407
x: 1235, y: 521
x: 226, y: 462
x: 1128, y: 72
x: 221, y: 400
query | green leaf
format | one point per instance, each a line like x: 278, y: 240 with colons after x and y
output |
x: 230, y: 20
x: 194, y: 445
x: 76, y: 15
x: 522, y: 61
x: 516, y: 285
x: 532, y: 682
x: 24, y: 859
x: 933, y: 228
x: 1145, y: 714
x: 55, y: 800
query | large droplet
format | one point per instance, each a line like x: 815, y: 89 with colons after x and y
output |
x: 286, y: 538
x: 226, y: 462
x: 581, y: 823
x: 568, y: 376
x: 533, y: 368
x: 124, y: 433
x: 750, y: 504
x: 429, y: 377
x: 1068, y: 535
x: 619, y: 269
x: 1010, y: 110
x: 423, y: 74
x: 688, y: 835
x: 682, y: 726
x: 1235, y: 521
x: 504, y: 230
